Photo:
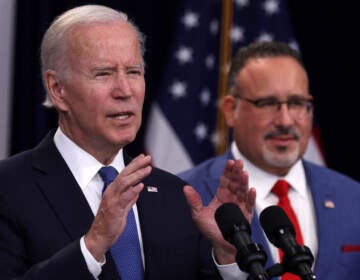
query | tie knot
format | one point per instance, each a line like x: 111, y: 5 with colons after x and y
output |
x: 108, y: 174
x: 281, y: 188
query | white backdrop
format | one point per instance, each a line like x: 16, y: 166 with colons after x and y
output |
x: 7, y: 20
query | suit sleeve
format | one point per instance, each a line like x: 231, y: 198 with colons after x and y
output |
x: 67, y: 263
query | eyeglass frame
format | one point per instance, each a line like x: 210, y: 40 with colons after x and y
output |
x: 308, y: 106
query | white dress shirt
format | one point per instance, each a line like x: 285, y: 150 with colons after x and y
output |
x: 84, y: 168
x: 299, y: 195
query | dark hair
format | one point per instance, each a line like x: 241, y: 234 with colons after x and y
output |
x: 259, y: 49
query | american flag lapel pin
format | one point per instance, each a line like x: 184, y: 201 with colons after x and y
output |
x: 329, y: 203
x: 152, y: 189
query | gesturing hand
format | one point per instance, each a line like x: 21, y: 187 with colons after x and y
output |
x: 117, y: 201
x: 233, y: 188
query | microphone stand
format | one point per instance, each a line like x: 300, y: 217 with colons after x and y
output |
x: 252, y: 260
x: 298, y: 262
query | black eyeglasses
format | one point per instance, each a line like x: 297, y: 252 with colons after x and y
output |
x: 298, y: 106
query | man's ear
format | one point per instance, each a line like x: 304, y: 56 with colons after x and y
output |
x: 55, y: 89
x: 228, y: 106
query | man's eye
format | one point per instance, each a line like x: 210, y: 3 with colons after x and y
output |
x: 297, y: 103
x: 103, y: 73
x: 134, y: 72
x: 265, y: 103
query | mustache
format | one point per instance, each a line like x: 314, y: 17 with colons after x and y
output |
x: 283, y: 131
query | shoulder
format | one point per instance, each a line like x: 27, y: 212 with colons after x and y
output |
x: 203, y: 166
x: 164, y: 176
x: 165, y: 183
x: 211, y: 168
x: 15, y: 164
x: 317, y: 173
x: 212, y: 164
x: 26, y: 165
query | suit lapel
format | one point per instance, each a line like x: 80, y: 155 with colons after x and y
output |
x: 58, y: 185
x: 258, y: 236
x: 323, y: 195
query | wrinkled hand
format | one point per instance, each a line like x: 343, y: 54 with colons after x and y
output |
x: 116, y: 203
x: 233, y: 188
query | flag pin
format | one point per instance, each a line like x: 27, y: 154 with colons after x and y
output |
x: 152, y: 189
x: 329, y: 204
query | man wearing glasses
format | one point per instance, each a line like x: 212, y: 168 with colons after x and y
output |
x: 270, y: 111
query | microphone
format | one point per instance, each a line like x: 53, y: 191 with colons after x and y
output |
x: 235, y: 229
x: 280, y: 232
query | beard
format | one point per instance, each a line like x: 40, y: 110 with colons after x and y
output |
x: 281, y: 157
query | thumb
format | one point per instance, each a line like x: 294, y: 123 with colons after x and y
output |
x: 193, y: 198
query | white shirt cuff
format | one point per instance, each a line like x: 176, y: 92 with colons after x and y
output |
x: 93, y: 265
x: 230, y: 271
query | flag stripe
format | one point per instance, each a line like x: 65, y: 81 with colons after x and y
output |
x: 164, y: 145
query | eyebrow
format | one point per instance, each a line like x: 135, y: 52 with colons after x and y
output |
x: 294, y: 95
x: 97, y: 68
x: 136, y: 66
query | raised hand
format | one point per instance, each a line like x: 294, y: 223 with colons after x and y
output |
x: 233, y: 188
x: 117, y: 201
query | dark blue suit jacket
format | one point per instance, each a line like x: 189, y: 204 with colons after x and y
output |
x: 43, y: 214
x: 336, y: 226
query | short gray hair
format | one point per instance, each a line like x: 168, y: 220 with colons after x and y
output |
x: 53, y: 50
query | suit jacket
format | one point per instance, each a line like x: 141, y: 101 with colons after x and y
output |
x: 43, y: 214
x: 338, y: 228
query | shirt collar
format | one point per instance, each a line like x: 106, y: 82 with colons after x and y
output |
x: 264, y: 181
x: 82, y: 165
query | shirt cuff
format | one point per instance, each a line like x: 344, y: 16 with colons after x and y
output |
x: 230, y: 271
x: 93, y: 265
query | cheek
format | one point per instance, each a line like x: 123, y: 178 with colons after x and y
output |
x: 306, y: 134
x: 306, y: 126
x: 139, y: 97
x: 137, y: 88
x: 140, y: 101
x: 75, y: 94
x: 85, y: 104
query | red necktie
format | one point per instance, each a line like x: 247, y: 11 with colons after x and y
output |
x: 281, y: 189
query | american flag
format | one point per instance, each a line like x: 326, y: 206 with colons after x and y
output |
x: 181, y: 129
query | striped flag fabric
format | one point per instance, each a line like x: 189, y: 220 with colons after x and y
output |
x: 181, y: 128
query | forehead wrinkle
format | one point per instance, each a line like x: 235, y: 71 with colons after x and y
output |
x: 104, y: 48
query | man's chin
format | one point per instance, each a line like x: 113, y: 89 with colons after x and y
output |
x: 281, y: 158
x: 123, y: 141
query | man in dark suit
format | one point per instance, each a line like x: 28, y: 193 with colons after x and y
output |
x: 55, y: 222
x: 270, y: 110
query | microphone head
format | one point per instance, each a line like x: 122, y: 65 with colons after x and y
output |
x: 228, y: 216
x: 275, y: 223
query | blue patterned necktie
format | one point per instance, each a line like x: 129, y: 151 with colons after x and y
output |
x: 126, y: 251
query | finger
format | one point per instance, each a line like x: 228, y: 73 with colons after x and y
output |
x: 193, y: 198
x: 134, y: 173
x: 232, y: 172
x: 250, y: 203
x: 237, y: 166
x: 134, y: 193
x: 226, y: 175
x: 240, y: 187
x: 134, y: 177
x: 137, y: 163
x: 233, y: 183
